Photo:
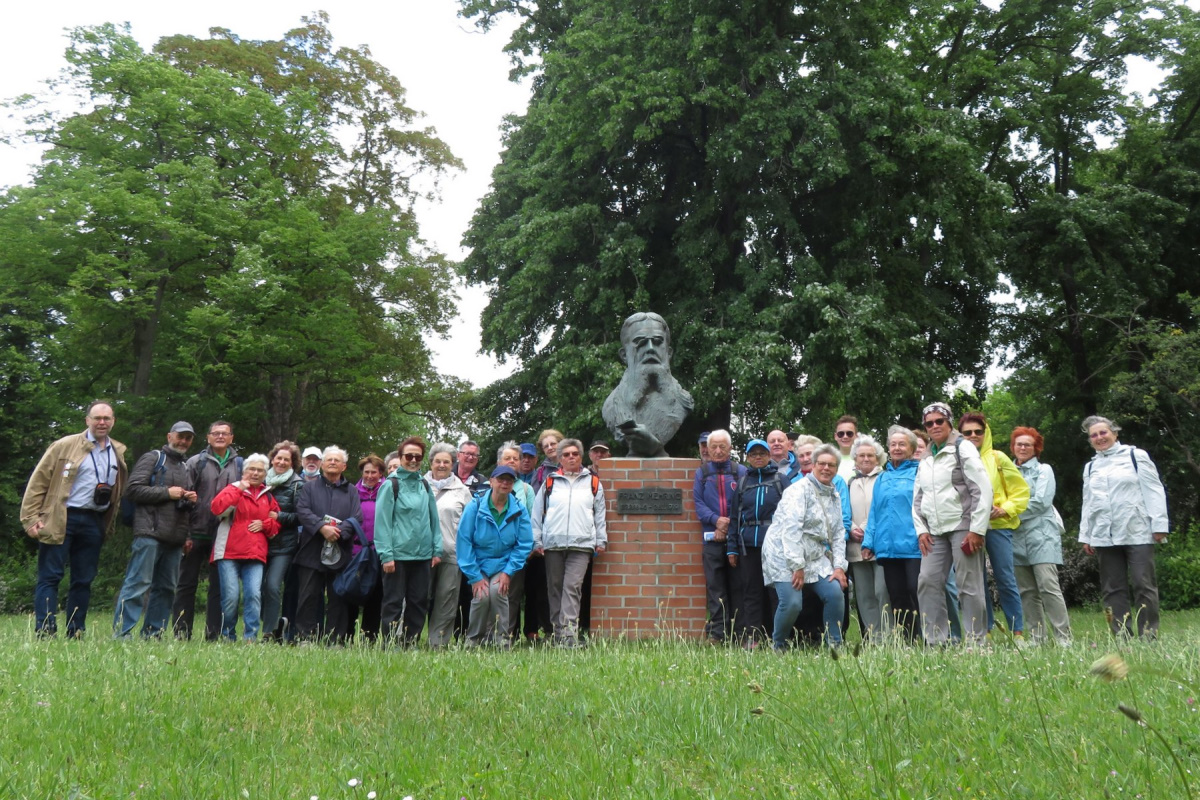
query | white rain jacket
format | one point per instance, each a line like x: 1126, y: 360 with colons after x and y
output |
x: 1123, y: 500
x: 571, y: 518
x: 806, y: 533
x: 952, y: 493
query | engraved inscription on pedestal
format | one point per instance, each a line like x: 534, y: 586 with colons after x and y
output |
x: 650, y: 500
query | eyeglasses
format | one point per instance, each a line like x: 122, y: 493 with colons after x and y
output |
x: 220, y: 434
x: 411, y: 458
x: 826, y: 465
x: 844, y: 434
x: 570, y: 454
x: 462, y: 454
x: 972, y: 432
x: 933, y: 423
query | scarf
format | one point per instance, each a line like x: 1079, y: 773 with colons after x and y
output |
x: 273, y: 480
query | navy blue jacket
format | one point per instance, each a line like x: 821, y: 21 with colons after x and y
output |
x: 759, y: 494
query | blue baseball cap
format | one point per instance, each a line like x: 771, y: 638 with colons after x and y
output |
x: 503, y: 469
x: 704, y: 437
x: 750, y: 445
x: 528, y: 449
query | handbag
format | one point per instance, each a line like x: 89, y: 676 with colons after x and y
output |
x: 358, y: 580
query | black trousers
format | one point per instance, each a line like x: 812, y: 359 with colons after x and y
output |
x: 900, y: 575
x: 183, y: 610
x: 406, y: 600
x: 371, y: 615
x: 717, y: 574
x: 313, y: 586
x: 753, y: 603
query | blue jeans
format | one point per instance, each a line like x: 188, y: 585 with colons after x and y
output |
x: 81, y: 550
x: 154, y: 569
x: 272, y: 591
x: 1000, y: 553
x: 791, y: 601
x: 250, y: 573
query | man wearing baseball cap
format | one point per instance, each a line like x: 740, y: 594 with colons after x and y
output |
x: 160, y: 487
x: 311, y: 459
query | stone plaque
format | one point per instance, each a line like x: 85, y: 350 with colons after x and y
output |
x: 650, y: 500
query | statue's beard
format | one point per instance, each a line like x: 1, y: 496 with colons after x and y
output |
x: 650, y: 378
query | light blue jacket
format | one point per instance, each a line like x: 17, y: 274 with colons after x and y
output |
x: 486, y: 549
x: 889, y: 532
x: 1038, y: 539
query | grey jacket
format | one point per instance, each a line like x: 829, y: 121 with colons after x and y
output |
x: 157, y: 516
x: 209, y: 478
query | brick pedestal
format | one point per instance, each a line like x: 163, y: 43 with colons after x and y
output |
x: 650, y: 582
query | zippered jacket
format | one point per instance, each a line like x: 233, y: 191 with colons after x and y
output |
x: 208, y: 479
x: 238, y: 542
x: 570, y: 517
x: 807, y: 533
x: 485, y: 548
x: 889, y: 532
x: 1039, y: 539
x: 1009, y: 489
x: 157, y: 515
x: 50, y: 484
x: 715, y: 492
x: 1122, y: 503
x: 406, y: 519
x: 953, y: 493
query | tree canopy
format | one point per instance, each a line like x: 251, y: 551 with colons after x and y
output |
x: 224, y: 228
x: 839, y: 207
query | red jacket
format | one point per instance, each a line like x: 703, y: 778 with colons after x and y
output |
x: 236, y: 541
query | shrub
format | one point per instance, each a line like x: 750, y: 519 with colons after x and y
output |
x: 1079, y: 575
x: 1178, y: 568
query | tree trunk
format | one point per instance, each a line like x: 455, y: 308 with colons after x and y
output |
x: 145, y: 334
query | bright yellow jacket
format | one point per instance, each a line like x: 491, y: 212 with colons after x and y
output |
x: 1009, y: 489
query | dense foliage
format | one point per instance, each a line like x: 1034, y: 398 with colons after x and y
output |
x: 848, y: 206
x: 222, y: 229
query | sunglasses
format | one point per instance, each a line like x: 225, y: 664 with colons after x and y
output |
x: 844, y: 434
x: 570, y: 454
x: 933, y: 423
x: 972, y: 432
x: 411, y: 457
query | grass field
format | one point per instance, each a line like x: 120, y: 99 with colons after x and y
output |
x: 103, y: 719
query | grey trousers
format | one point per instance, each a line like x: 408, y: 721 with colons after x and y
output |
x: 446, y: 582
x: 931, y: 590
x: 1041, y: 600
x: 564, y: 585
x: 871, y: 597
x: 1123, y: 566
x: 489, y: 617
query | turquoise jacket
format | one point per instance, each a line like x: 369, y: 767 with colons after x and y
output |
x: 406, y: 519
x: 486, y: 549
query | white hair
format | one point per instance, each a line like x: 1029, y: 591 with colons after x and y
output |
x: 334, y: 450
x: 863, y: 440
x: 721, y: 433
x: 257, y: 458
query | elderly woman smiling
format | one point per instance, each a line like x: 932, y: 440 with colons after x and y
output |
x: 452, y: 497
x: 1124, y: 515
x: 806, y: 545
x: 240, y: 548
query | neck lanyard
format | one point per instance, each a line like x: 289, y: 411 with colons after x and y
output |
x: 107, y: 464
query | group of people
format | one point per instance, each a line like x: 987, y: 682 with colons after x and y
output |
x: 908, y: 523
x: 273, y: 532
x: 911, y: 524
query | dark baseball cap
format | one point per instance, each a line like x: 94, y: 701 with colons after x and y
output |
x: 504, y: 469
x: 183, y: 427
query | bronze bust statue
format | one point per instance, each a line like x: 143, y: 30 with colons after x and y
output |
x: 648, y: 405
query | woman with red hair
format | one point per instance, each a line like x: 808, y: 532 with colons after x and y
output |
x: 1037, y: 543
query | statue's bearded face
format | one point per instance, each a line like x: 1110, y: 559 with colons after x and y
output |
x: 647, y: 347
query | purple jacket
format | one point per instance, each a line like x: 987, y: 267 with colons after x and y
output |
x: 366, y: 498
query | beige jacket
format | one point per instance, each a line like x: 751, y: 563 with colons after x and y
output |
x: 50, y: 484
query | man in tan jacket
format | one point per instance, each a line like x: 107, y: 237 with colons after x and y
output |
x: 69, y: 507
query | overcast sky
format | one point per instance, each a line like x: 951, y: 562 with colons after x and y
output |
x: 457, y: 76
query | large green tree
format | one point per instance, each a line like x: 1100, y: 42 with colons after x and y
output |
x: 772, y: 178
x: 222, y: 228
